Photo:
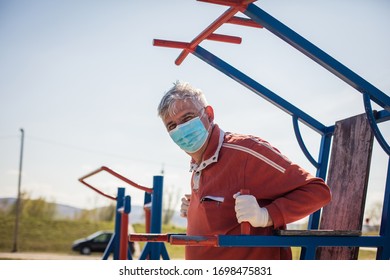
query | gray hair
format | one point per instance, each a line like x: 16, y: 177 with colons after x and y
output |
x: 180, y: 91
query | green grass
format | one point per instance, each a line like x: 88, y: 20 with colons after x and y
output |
x: 57, y: 236
x: 38, y: 235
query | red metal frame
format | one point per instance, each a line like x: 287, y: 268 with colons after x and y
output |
x: 208, y: 34
x: 232, y: 3
x: 115, y: 174
x: 176, y: 239
x: 187, y: 240
x: 123, y: 242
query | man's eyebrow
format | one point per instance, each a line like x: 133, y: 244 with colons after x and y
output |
x: 187, y: 114
x: 169, y: 123
x: 181, y: 118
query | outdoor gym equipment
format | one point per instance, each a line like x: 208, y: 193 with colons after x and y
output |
x: 352, y: 146
x: 118, y: 244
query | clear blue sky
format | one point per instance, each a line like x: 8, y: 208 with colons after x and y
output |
x: 83, y: 80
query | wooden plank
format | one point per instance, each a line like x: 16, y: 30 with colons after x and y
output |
x: 349, y: 169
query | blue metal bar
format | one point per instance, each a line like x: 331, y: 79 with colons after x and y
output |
x: 258, y: 89
x: 155, y: 224
x: 164, y: 253
x: 316, y: 54
x: 156, y: 221
x: 147, y: 200
x: 113, y: 245
x: 157, y: 249
x: 109, y: 248
x: 374, y: 127
x: 127, y: 210
x: 153, y: 250
x: 299, y: 241
x: 383, y: 253
x: 127, y: 204
x: 323, y: 159
x: 308, y: 243
x: 301, y: 143
x: 119, y: 204
x: 308, y: 253
x: 146, y: 251
x: 382, y: 116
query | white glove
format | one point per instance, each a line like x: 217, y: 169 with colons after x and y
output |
x: 185, y: 202
x: 248, y: 210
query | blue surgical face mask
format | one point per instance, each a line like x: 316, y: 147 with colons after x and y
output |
x: 190, y: 136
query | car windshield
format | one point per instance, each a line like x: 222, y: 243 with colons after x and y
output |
x: 93, y: 235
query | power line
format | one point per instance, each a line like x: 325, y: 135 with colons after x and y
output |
x: 96, y: 152
x: 2, y: 137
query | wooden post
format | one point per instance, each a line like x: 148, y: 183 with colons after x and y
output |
x: 349, y: 169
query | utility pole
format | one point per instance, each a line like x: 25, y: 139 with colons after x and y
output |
x: 18, y: 200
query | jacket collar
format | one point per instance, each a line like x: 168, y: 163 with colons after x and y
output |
x: 212, y: 151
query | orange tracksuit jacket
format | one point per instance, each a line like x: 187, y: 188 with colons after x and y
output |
x: 232, y: 162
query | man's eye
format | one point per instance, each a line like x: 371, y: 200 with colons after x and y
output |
x: 186, y: 119
x: 171, y: 126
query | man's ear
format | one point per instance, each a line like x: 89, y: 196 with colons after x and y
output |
x: 210, y: 113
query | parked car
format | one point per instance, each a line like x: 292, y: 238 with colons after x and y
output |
x: 96, y: 242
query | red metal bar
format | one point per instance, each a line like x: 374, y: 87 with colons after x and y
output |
x: 207, y: 32
x: 97, y: 190
x: 229, y: 2
x: 147, y: 212
x: 244, y: 22
x: 149, y: 237
x: 235, y: 6
x: 225, y: 38
x: 117, y: 175
x: 171, y: 44
x: 245, y: 226
x: 131, y: 183
x: 214, y: 26
x: 176, y: 239
x: 187, y: 46
x: 210, y: 240
x: 123, y: 242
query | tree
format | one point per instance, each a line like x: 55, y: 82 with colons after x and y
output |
x: 171, y: 199
x: 35, y: 207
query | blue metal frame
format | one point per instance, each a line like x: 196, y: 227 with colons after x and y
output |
x: 113, y: 245
x: 127, y: 210
x: 152, y: 250
x: 316, y: 54
x: 309, y: 243
x: 384, y: 251
x: 370, y: 92
x: 374, y: 127
x: 155, y: 250
x: 301, y: 143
